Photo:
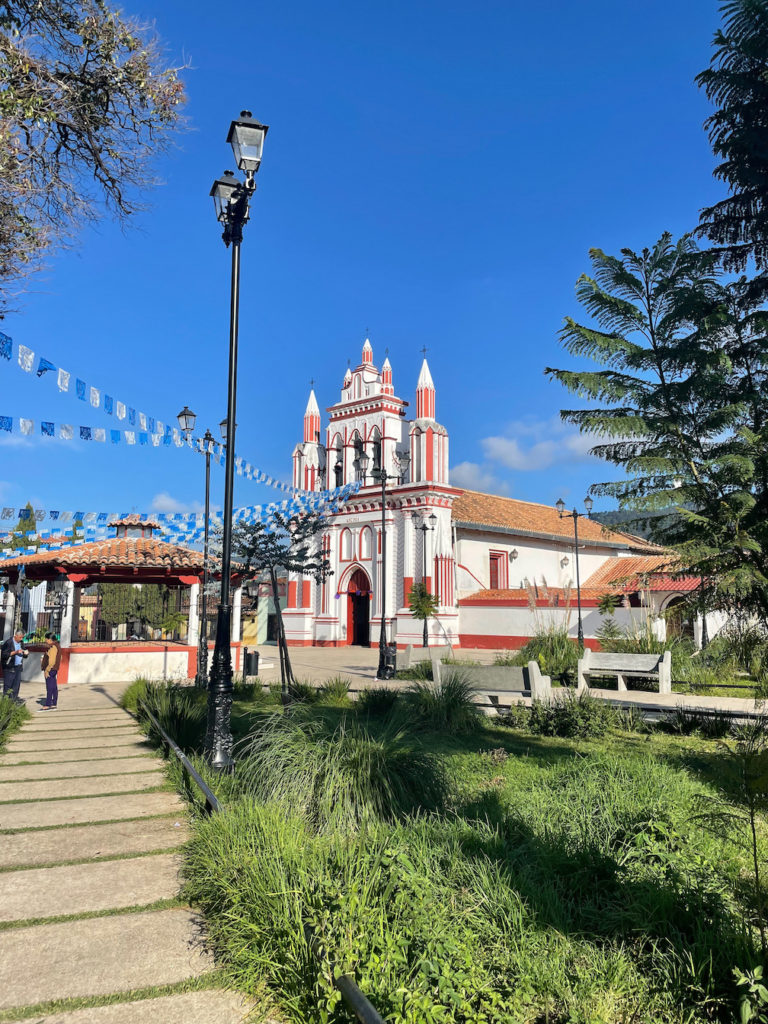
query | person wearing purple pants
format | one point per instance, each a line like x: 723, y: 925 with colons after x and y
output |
x: 50, y: 665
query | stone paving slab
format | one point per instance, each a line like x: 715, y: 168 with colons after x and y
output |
x: 92, y: 740
x: 87, y: 888
x: 51, y: 734
x: 111, y: 954
x: 78, y: 769
x: 211, y: 1006
x: 94, y: 786
x: 51, y: 846
x: 137, y: 749
x: 42, y: 813
x: 52, y: 721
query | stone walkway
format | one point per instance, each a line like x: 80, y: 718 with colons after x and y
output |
x: 89, y: 908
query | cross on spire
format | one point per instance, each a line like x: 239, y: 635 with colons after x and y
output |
x: 312, y: 384
x: 424, y: 351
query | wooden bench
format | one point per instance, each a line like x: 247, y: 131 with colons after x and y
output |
x: 624, y: 666
x: 499, y: 684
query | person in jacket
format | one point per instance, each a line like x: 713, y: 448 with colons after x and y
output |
x: 12, y: 655
x: 50, y: 665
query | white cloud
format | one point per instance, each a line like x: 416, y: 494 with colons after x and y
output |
x: 475, y: 477
x: 538, y: 444
x: 165, y: 502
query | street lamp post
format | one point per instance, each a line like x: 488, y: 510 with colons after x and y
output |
x: 231, y: 199
x: 576, y: 516
x: 382, y: 672
x: 186, y: 420
x: 422, y: 524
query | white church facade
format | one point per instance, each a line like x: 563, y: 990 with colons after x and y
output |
x: 499, y: 567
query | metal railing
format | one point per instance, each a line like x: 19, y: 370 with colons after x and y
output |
x: 357, y: 1002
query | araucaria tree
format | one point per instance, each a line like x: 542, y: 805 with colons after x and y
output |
x: 86, y: 103
x: 285, y: 545
x: 676, y: 403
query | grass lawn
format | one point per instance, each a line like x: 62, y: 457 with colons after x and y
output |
x: 484, y: 874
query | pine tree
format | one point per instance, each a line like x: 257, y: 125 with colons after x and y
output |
x: 737, y: 84
x: 24, y: 532
x: 286, y: 545
x: 677, y: 405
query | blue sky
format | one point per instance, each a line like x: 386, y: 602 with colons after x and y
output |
x: 435, y: 174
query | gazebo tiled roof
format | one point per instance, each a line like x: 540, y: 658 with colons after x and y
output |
x: 473, y: 508
x: 117, y: 552
x: 135, y: 519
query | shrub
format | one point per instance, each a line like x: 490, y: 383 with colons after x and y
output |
x: 421, y: 670
x: 12, y: 717
x: 685, y: 721
x: 180, y: 710
x: 448, y: 706
x: 518, y: 716
x: 378, y: 700
x: 339, y: 777
x: 552, y: 648
x: 135, y: 692
x: 335, y: 690
x: 303, y: 693
x: 570, y: 715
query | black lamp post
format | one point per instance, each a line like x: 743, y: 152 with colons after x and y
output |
x: 382, y: 672
x: 231, y: 199
x: 576, y: 516
x: 425, y: 525
x: 186, y: 420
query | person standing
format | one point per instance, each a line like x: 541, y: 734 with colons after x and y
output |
x: 50, y: 665
x: 12, y: 655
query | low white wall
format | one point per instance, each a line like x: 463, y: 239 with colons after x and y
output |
x: 118, y: 666
x: 512, y: 622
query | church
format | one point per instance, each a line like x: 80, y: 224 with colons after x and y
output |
x: 500, y: 568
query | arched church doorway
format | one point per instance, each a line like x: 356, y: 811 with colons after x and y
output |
x: 359, y: 609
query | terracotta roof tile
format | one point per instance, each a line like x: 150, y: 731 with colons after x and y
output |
x: 135, y: 519
x: 121, y: 552
x: 530, y: 517
x: 547, y: 596
x: 629, y: 574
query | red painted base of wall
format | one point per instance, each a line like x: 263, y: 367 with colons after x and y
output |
x: 509, y: 643
x: 299, y: 643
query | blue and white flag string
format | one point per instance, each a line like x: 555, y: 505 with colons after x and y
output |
x: 136, y: 427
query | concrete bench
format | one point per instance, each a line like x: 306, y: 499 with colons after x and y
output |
x: 624, y: 666
x: 413, y: 655
x: 502, y: 683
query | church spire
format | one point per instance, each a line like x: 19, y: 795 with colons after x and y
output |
x: 312, y: 419
x: 367, y: 353
x: 425, y: 394
x: 386, y: 378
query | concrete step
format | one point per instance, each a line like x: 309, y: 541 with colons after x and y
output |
x: 78, y: 769
x: 99, y: 956
x: 44, y: 813
x: 211, y: 1006
x: 137, y: 749
x: 41, y: 738
x: 87, y: 842
x: 88, y: 888
x: 94, y: 786
x: 53, y: 721
x: 96, y: 740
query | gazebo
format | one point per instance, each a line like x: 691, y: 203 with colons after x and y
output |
x: 95, y: 644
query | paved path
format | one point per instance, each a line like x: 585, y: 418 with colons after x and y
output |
x: 89, y: 908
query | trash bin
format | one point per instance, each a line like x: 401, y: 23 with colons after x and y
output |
x: 390, y: 661
x: 250, y: 663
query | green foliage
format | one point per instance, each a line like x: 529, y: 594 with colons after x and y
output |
x: 689, y: 721
x: 419, y: 670
x: 552, y: 648
x: 338, y: 777
x: 86, y: 104
x: 753, y: 996
x: 448, y: 706
x: 335, y: 691
x: 12, y: 717
x: 735, y: 84
x: 180, y: 710
x: 569, y: 715
x: 423, y: 605
x: 377, y: 700
x: 135, y: 692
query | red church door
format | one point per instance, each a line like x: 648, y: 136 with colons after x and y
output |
x: 359, y: 610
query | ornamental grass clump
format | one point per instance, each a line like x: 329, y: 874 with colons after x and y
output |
x: 337, y: 777
x: 180, y: 710
x: 448, y: 706
x: 12, y: 716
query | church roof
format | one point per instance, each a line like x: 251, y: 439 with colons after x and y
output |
x: 654, y: 572
x: 473, y: 508
x: 425, y: 377
x: 313, y: 408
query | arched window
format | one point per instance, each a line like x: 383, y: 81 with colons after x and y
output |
x: 347, y: 550
x: 366, y: 544
x: 375, y: 438
x: 357, y: 445
x: 416, y: 447
x: 358, y: 385
x: 336, y: 459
